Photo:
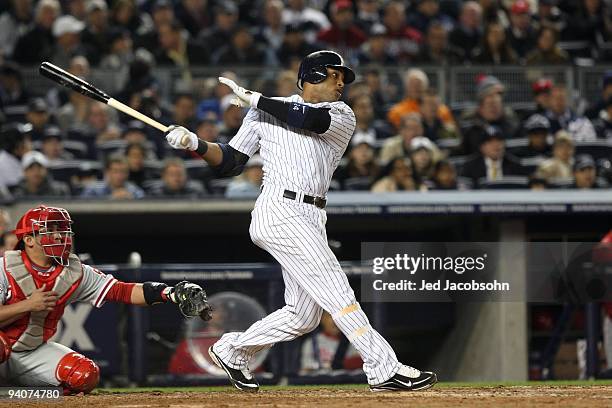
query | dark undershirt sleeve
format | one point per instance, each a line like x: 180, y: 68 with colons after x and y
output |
x: 233, y: 162
x: 297, y: 114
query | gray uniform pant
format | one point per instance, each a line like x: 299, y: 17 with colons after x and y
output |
x: 34, y: 368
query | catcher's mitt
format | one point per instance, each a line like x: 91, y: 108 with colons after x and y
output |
x: 191, y: 300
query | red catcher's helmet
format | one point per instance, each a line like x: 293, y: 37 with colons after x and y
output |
x: 53, y: 226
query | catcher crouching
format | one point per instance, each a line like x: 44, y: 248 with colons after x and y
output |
x: 39, y: 278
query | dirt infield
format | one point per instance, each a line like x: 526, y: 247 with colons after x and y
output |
x: 591, y: 396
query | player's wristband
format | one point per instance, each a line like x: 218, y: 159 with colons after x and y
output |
x: 157, y: 292
x: 202, y: 147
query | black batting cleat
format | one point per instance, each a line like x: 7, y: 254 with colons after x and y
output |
x: 407, y: 379
x: 242, y: 379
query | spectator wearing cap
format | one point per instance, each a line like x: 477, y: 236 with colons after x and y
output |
x: 115, y: 185
x: 591, y: 22
x: 521, y: 33
x: 375, y: 50
x: 14, y: 23
x: 422, y: 152
x: 436, y: 48
x: 549, y: 15
x: 177, y: 51
x: 231, y: 119
x: 416, y: 84
x: 368, y: 14
x: 242, y: 50
x: 37, y: 44
x: 541, y: 95
x: 162, y: 12
x: 585, y: 173
x: 311, y: 19
x: 67, y: 32
x: 603, y: 124
x: 558, y: 167
x: 36, y: 180
x: 248, y: 184
x: 397, y: 175
x: 537, y: 130
x: 495, y: 48
x: 12, y: 91
x: 491, y: 162
x: 444, y: 177
x: 404, y: 41
x: 207, y: 130
x: 490, y: 112
x: 272, y: 30
x: 52, y: 145
x: 547, y: 51
x: 467, y: 34
x: 433, y: 127
x: 125, y: 14
x: 361, y: 169
x: 15, y: 142
x: 295, y: 46
x: 344, y: 35
x: 194, y: 15
x: 96, y: 34
x: 606, y: 92
x: 38, y: 116
x: 220, y: 34
x: 363, y: 107
x: 562, y: 116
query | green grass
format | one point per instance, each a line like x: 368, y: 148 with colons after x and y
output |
x: 354, y: 386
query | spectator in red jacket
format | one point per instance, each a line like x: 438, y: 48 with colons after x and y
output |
x: 344, y: 35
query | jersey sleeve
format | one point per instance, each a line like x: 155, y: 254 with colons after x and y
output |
x: 3, y: 283
x: 94, y: 287
x: 342, y: 125
x: 247, y: 139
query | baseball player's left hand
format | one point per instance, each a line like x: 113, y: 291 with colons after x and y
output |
x: 244, y: 96
x: 191, y: 300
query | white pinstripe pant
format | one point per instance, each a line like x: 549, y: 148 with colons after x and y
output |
x: 294, y: 233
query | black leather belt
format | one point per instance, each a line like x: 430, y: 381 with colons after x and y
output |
x: 316, y: 201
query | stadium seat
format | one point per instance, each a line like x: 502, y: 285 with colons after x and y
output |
x: 505, y: 183
x: 218, y: 186
x: 598, y: 149
x: 357, y: 183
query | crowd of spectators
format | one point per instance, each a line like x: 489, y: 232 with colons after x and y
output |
x: 62, y: 144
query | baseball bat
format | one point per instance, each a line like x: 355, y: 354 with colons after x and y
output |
x: 83, y: 87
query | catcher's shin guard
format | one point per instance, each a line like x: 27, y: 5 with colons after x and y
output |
x: 5, y: 348
x: 76, y: 373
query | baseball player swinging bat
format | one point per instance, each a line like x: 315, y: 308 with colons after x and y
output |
x: 64, y: 78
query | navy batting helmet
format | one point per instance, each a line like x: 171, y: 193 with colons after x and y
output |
x: 313, y: 68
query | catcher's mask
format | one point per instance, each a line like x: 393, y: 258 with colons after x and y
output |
x: 313, y: 68
x: 53, y: 226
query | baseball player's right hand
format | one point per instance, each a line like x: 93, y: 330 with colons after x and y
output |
x: 41, y: 300
x: 180, y: 138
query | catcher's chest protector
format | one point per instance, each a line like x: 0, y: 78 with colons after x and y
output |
x: 35, y: 328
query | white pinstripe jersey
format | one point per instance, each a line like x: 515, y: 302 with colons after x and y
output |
x: 296, y: 159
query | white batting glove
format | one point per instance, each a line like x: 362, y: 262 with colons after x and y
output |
x: 180, y: 138
x: 244, y: 96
